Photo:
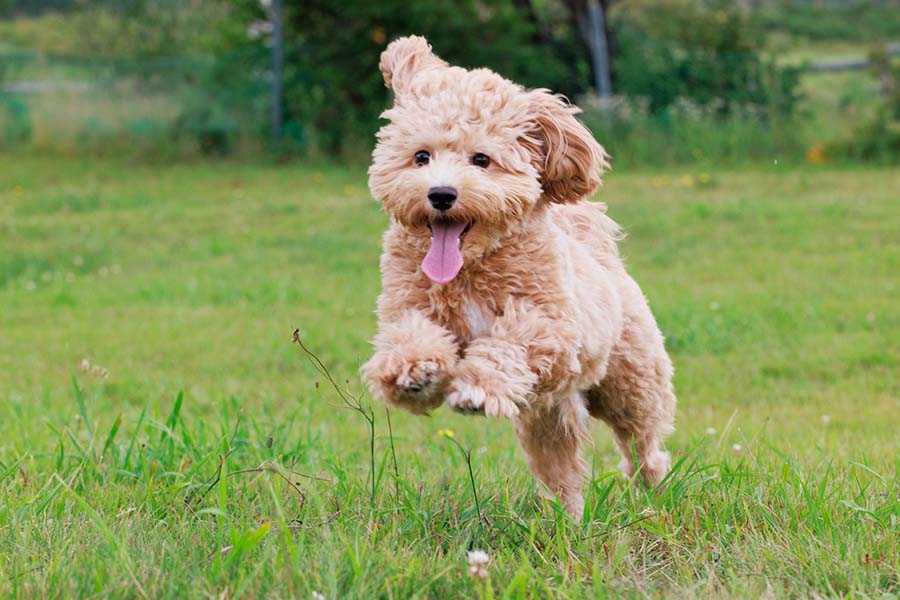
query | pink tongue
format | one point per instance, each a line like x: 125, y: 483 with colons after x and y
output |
x: 444, y: 260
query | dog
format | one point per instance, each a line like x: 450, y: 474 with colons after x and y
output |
x: 503, y: 292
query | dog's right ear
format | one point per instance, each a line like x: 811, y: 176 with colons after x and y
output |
x: 404, y: 58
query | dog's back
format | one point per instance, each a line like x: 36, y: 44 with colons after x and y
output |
x: 588, y: 224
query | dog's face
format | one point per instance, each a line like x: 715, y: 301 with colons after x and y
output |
x: 467, y: 155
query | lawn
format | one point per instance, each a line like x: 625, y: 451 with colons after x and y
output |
x: 161, y: 436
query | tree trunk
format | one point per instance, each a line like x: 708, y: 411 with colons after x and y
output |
x: 277, y: 68
x: 596, y: 23
x: 589, y: 19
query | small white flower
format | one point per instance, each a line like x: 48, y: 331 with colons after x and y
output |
x: 737, y: 448
x: 70, y: 276
x: 101, y: 372
x: 85, y: 365
x: 710, y: 431
x: 477, y: 572
x: 103, y: 272
x: 826, y: 419
x: 713, y: 306
x: 29, y: 285
x: 870, y: 317
x: 478, y: 561
x: 318, y: 596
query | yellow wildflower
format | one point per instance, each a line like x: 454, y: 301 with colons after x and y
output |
x: 816, y: 154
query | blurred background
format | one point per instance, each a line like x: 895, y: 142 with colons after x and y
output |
x: 661, y: 81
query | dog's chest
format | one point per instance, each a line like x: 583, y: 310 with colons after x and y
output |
x: 464, y: 311
x: 477, y: 318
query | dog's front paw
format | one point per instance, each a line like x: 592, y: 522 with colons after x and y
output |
x: 473, y: 399
x: 493, y: 380
x: 413, y: 385
x: 419, y: 377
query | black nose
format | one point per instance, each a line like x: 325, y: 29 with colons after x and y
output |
x: 442, y: 198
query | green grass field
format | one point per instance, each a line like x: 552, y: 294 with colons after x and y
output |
x: 198, y: 453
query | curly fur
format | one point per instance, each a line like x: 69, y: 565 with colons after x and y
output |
x: 542, y: 324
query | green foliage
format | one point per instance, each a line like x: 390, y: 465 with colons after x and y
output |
x: 35, y: 7
x: 15, y: 120
x: 172, y: 79
x: 333, y: 87
x: 117, y: 29
x: 16, y: 128
x: 862, y: 20
x: 212, y: 133
x: 687, y: 133
x: 880, y: 138
x: 708, y: 54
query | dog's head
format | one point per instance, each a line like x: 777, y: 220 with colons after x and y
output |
x: 467, y: 155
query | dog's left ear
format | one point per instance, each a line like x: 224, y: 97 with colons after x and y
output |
x: 569, y: 159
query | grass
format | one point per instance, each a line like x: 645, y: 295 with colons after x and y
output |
x: 215, y: 460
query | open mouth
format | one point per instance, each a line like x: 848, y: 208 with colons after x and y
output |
x: 444, y: 259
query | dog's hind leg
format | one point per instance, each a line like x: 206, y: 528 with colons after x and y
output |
x: 551, y: 438
x: 636, y: 399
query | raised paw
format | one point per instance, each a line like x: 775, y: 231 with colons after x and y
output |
x: 473, y: 399
x: 418, y: 377
x: 413, y: 385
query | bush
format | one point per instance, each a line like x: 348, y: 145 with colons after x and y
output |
x: 689, y: 133
x: 212, y: 132
x: 707, y: 54
x: 856, y: 20
x: 16, y: 121
x: 879, y: 138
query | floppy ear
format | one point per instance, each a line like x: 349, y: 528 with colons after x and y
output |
x: 569, y: 159
x: 404, y: 58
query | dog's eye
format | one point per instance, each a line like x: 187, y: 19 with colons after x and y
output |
x: 481, y: 160
x: 422, y: 157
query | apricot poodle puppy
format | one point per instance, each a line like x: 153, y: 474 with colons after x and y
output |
x: 503, y: 290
